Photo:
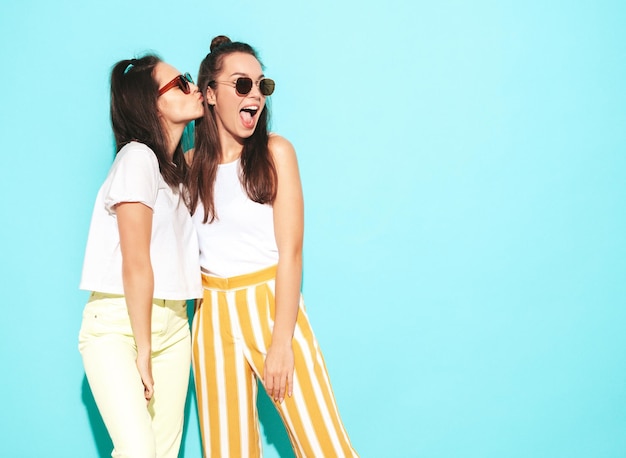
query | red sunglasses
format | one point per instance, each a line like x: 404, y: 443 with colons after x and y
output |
x: 182, y: 81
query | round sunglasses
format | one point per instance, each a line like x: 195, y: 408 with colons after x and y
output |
x: 182, y: 81
x: 243, y: 85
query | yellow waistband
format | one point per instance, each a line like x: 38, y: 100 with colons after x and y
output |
x: 97, y: 295
x: 240, y: 281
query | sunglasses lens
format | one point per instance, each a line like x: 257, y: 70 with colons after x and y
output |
x: 243, y: 85
x: 184, y: 85
x: 188, y: 78
x: 266, y: 86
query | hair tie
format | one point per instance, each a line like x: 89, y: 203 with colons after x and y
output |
x: 130, y: 66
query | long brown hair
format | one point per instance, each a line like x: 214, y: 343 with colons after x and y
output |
x: 134, y: 115
x: 258, y: 173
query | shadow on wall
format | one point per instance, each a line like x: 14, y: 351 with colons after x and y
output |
x: 273, y: 429
x: 100, y: 436
x: 191, y: 395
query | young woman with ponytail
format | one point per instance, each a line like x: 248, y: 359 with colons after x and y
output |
x: 141, y: 264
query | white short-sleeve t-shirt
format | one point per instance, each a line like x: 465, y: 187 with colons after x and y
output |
x: 135, y: 177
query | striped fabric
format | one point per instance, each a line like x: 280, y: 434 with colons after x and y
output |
x: 231, y: 332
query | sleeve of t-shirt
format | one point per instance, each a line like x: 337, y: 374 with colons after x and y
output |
x: 134, y: 177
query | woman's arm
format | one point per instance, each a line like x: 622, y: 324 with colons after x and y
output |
x: 289, y: 231
x: 134, y: 221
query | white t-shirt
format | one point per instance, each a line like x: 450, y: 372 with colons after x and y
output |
x: 241, y: 240
x: 135, y: 177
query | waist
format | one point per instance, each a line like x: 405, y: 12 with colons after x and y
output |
x: 97, y: 295
x: 239, y: 281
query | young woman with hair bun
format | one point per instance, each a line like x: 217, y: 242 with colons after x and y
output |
x: 141, y: 264
x: 246, y: 195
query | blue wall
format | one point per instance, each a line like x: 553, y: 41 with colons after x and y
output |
x: 464, y: 169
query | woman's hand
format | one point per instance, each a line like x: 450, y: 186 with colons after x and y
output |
x: 278, y: 372
x: 144, y: 366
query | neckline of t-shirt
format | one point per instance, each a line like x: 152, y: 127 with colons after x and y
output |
x: 231, y: 163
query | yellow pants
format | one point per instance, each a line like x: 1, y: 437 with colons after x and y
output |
x: 109, y: 353
x: 230, y: 335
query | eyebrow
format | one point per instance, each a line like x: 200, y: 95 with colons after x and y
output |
x: 245, y: 74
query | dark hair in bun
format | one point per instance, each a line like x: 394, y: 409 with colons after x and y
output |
x: 219, y: 41
x: 258, y: 172
x: 221, y: 46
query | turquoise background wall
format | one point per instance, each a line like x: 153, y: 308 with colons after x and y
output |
x: 464, y: 170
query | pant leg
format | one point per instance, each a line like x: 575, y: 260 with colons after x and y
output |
x: 225, y: 384
x: 310, y: 415
x: 109, y: 353
x: 171, y: 362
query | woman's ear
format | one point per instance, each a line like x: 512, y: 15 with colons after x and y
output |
x: 210, y: 96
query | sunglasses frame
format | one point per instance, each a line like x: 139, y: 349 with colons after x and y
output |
x: 266, y: 85
x: 182, y: 81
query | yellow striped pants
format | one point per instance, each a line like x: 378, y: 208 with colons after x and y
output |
x: 230, y: 335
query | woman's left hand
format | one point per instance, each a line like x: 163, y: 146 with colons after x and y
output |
x: 278, y: 372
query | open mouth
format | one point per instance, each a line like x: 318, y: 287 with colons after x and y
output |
x: 247, y: 115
